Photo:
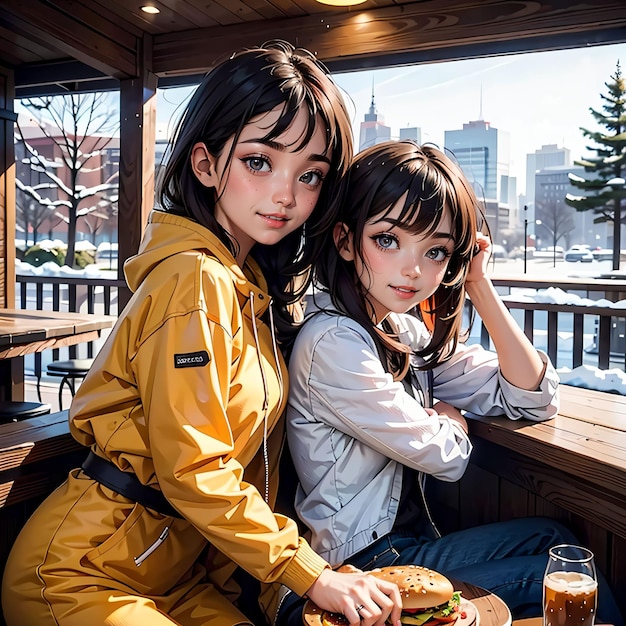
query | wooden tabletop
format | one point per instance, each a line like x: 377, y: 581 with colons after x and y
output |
x: 587, y: 437
x: 577, y: 460
x: 27, y: 331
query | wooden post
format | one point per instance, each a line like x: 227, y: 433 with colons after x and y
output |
x: 7, y: 189
x: 137, y: 160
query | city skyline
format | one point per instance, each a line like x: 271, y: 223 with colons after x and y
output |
x: 537, y: 98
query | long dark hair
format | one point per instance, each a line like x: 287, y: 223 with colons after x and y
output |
x: 249, y: 83
x: 433, y: 186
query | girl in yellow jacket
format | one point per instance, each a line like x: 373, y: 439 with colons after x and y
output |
x: 182, y: 407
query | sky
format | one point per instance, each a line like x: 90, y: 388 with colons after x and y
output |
x: 537, y: 98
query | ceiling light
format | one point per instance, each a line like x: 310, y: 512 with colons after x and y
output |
x: 341, y: 3
x: 150, y: 9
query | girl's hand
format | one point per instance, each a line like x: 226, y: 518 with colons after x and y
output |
x: 478, y: 266
x: 345, y: 592
x: 443, y: 408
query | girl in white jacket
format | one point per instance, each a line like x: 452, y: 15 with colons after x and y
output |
x: 378, y: 377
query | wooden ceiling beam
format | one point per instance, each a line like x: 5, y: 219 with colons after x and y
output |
x: 115, y: 56
x: 476, y: 27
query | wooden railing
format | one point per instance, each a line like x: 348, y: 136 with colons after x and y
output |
x: 64, y: 293
x: 596, y: 332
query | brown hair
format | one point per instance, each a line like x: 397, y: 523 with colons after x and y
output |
x: 432, y: 185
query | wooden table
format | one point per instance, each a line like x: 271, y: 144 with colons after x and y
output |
x: 571, y: 468
x: 538, y: 621
x: 27, y: 331
x: 586, y: 442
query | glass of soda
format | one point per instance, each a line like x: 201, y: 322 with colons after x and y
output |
x: 570, y: 587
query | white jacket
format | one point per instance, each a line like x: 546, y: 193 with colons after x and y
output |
x: 351, y: 428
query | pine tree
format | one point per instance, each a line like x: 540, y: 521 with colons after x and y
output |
x: 606, y: 189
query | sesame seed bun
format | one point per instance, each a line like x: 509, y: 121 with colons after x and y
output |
x: 420, y: 587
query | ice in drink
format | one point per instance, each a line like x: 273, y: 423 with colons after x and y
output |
x: 569, y: 599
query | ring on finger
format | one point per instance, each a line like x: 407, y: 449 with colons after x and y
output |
x: 359, y: 607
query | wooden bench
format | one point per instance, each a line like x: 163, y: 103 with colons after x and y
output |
x: 571, y: 468
x: 35, y: 457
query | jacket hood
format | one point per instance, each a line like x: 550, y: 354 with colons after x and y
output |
x: 167, y: 235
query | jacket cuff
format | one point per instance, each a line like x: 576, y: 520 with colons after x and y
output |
x: 304, y: 569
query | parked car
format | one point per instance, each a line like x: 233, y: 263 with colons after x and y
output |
x: 602, y: 254
x: 551, y: 252
x: 578, y: 253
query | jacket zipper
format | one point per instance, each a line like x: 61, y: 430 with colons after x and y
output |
x: 148, y: 551
x: 421, y: 479
x: 427, y: 401
x: 266, y: 462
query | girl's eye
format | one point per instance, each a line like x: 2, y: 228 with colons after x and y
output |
x: 385, y: 241
x: 438, y: 254
x: 257, y: 163
x: 313, y: 179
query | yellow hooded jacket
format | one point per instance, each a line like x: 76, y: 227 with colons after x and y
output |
x: 185, y: 394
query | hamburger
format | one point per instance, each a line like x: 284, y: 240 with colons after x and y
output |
x: 428, y: 598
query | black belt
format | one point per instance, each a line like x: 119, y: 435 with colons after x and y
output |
x: 127, y: 484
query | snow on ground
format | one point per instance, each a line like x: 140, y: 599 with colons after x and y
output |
x: 50, y: 268
x: 588, y: 377
x: 554, y: 295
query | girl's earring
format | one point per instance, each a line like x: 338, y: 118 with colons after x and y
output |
x: 302, y: 239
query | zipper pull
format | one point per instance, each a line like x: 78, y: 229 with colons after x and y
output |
x: 146, y: 553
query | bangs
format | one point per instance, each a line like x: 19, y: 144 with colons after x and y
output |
x: 426, y: 199
x: 295, y: 104
x: 300, y: 90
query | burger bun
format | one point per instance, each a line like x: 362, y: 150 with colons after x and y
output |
x: 420, y: 587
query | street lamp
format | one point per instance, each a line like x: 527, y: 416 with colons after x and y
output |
x: 525, y: 235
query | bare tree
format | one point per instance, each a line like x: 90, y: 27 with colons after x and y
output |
x: 29, y: 215
x: 556, y: 220
x: 75, y: 178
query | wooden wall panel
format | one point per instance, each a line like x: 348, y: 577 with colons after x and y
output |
x: 617, y: 569
x: 479, y: 497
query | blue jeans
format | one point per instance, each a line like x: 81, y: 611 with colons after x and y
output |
x: 508, y: 558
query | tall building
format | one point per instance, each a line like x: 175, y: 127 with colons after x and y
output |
x: 483, y: 153
x: 552, y: 218
x: 411, y: 132
x: 548, y: 155
x: 373, y: 129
